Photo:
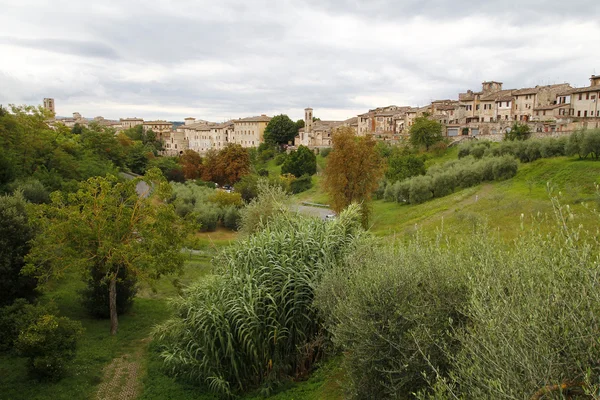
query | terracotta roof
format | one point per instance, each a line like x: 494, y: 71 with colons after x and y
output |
x: 260, y: 118
x: 586, y: 89
x: 497, y: 95
x: 551, y: 107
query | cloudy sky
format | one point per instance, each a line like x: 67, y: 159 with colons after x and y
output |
x: 226, y: 59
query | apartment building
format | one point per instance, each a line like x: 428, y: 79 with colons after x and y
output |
x: 248, y: 132
x: 127, y: 123
x: 160, y: 127
x: 527, y: 99
x: 584, y: 100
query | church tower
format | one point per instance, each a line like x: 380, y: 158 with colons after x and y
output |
x: 308, y: 120
x: 49, y: 104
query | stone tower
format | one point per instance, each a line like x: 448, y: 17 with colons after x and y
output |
x: 49, y: 104
x: 308, y: 120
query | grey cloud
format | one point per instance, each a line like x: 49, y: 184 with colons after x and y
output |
x: 74, y: 47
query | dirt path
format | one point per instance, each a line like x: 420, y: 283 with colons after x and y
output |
x: 122, y: 377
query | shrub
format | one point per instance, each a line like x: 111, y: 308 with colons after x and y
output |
x: 14, y: 318
x: 255, y: 321
x: 468, y: 175
x: 33, y: 191
x: 553, y: 147
x: 325, y: 152
x: 505, y: 168
x: 439, y: 149
x: 95, y: 297
x: 223, y: 198
x: 300, y: 162
x: 247, y: 187
x: 263, y: 172
x: 533, y: 317
x: 518, y: 132
x: 478, y: 151
x: 391, y: 311
x: 271, y: 201
x: 231, y: 218
x: 49, y: 343
x: 464, y: 150
x: 301, y: 184
x: 207, y: 216
x: 420, y: 189
x: 573, y: 145
x: 401, y: 167
x: 443, y: 184
x: 591, y: 143
x: 280, y: 158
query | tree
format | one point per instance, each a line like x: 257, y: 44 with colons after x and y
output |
x: 591, y: 143
x: 15, y: 234
x: 280, y: 130
x: 402, y: 166
x: 425, y: 132
x: 300, y: 162
x: 518, y: 132
x: 233, y: 163
x: 300, y: 124
x: 353, y: 171
x: 191, y: 162
x: 107, y: 225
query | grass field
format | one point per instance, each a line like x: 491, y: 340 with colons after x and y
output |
x: 102, y: 358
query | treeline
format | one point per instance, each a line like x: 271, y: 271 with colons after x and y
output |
x: 582, y: 143
x: 443, y: 179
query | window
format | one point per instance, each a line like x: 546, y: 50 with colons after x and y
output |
x: 593, y: 97
x: 587, y: 96
x: 585, y: 113
x: 579, y: 113
x: 477, y: 108
x: 580, y: 96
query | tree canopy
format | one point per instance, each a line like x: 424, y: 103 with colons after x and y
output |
x: 518, y: 132
x: 353, y: 170
x: 280, y: 130
x: 107, y: 225
x: 425, y: 132
x: 226, y: 166
x: 300, y: 162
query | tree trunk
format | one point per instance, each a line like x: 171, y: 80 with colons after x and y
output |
x: 112, y: 296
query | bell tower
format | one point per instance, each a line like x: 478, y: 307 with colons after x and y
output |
x: 308, y: 120
x: 49, y: 104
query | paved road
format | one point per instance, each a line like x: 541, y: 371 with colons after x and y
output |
x: 141, y: 188
x: 314, y: 211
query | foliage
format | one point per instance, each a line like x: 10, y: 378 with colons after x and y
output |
x: 228, y: 165
x: 280, y: 130
x: 49, y: 343
x: 591, y: 143
x: 301, y: 184
x: 442, y: 180
x: 15, y: 234
x: 270, y: 202
x: 300, y: 124
x: 223, y: 198
x: 170, y: 168
x: 231, y: 217
x: 325, y: 152
x: 107, y: 225
x: 255, y: 323
x: 403, y: 166
x: 425, y: 132
x: 391, y: 310
x: 300, y: 162
x: 14, y: 318
x: 96, y: 299
x: 247, y: 187
x: 533, y: 316
x: 280, y: 158
x: 191, y: 163
x: 353, y: 170
x: 518, y: 132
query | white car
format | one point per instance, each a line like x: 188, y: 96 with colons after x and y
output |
x: 330, y: 217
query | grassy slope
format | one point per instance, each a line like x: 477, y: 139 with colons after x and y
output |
x: 500, y: 203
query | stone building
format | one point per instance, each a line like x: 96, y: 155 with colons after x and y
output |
x: 584, y: 100
x: 49, y: 105
x: 160, y: 127
x: 317, y: 134
x: 526, y: 100
x: 248, y: 132
x: 127, y: 123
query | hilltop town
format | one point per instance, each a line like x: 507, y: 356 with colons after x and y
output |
x: 548, y: 110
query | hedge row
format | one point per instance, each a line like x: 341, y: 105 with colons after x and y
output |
x: 582, y: 143
x: 442, y: 180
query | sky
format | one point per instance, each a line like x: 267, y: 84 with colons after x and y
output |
x: 218, y: 60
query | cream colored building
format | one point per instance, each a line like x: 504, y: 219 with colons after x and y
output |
x: 316, y: 134
x: 584, y: 101
x: 249, y: 132
x: 160, y: 127
x: 174, y: 143
x: 49, y: 105
x: 529, y: 98
x: 127, y: 123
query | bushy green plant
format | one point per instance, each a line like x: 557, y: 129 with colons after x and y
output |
x: 280, y: 158
x: 272, y: 200
x: 300, y: 162
x: 32, y: 189
x: 402, y: 166
x: 504, y: 168
x: 49, y: 343
x: 420, y: 189
x: 325, y: 152
x: 301, y: 184
x: 591, y: 143
x: 207, y: 216
x: 478, y: 151
x: 247, y: 187
x: 14, y: 318
x: 469, y: 175
x: 231, y: 218
x: 255, y: 321
x: 553, y: 148
x: 533, y: 317
x: 443, y: 184
x: 391, y: 311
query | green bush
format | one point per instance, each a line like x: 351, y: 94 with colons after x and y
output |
x: 254, y: 323
x: 33, y: 191
x: 420, y: 190
x: 49, y: 343
x: 263, y: 172
x: 533, y: 317
x: 469, y: 175
x: 505, y: 168
x: 591, y: 143
x: 478, y: 150
x: 301, y: 184
x: 207, y: 216
x: 247, y: 187
x: 443, y: 184
x: 271, y: 201
x: 553, y: 148
x: 280, y: 158
x: 300, y: 162
x: 403, y: 166
x: 325, y: 152
x: 391, y: 311
x: 231, y: 218
x: 14, y: 318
